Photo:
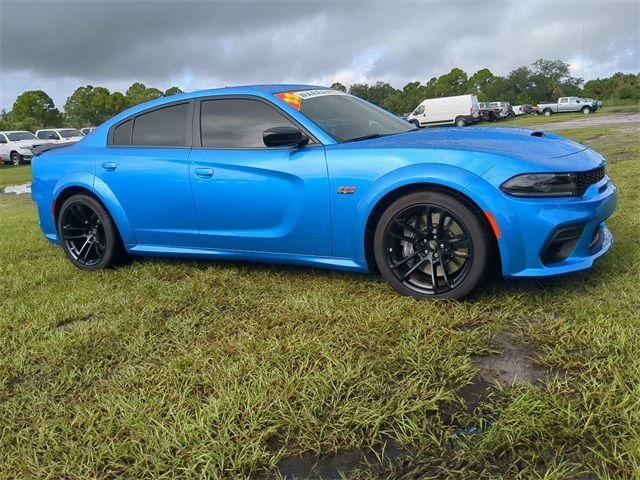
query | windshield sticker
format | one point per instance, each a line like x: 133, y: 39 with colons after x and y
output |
x: 295, y: 98
x: 291, y: 98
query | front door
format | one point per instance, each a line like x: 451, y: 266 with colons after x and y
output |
x: 252, y: 198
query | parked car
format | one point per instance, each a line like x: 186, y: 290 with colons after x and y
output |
x: 460, y: 110
x: 504, y: 109
x: 312, y: 176
x: 595, y: 103
x: 524, y: 109
x: 15, y: 146
x: 566, y: 104
x: 60, y: 135
x: 488, y: 113
x: 87, y: 130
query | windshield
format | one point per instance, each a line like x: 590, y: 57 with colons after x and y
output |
x: 15, y: 136
x: 70, y: 132
x: 345, y: 117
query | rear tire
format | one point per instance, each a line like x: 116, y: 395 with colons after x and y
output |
x: 88, y: 234
x: 431, y: 245
x: 547, y: 113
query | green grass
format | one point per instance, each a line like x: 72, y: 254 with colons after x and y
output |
x: 10, y: 175
x: 186, y: 369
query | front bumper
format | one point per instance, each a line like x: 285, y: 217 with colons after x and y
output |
x: 539, y: 220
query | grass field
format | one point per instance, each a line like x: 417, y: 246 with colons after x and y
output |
x: 182, y: 369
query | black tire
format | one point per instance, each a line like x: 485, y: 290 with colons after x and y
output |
x: 586, y: 110
x: 460, y: 122
x: 547, y: 112
x: 447, y: 245
x: 415, y: 123
x: 88, y: 234
x: 16, y: 158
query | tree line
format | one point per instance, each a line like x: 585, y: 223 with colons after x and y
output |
x: 542, y: 80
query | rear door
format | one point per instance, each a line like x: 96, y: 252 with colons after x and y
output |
x: 253, y: 198
x: 146, y: 167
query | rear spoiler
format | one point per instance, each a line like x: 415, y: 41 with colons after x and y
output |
x: 49, y: 146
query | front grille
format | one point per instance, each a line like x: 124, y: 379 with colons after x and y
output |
x: 586, y: 179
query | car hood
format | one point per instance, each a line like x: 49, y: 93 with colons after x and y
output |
x: 517, y: 142
x: 29, y: 143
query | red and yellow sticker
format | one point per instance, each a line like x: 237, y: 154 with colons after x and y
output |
x: 291, y: 98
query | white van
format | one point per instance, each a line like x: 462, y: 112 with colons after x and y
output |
x: 460, y: 110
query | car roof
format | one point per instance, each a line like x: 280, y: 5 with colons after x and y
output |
x: 16, y: 131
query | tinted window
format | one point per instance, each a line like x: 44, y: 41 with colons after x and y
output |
x: 71, y: 133
x: 164, y: 127
x: 122, y: 133
x: 43, y: 135
x: 237, y: 123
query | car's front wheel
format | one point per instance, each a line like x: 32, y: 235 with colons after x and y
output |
x: 586, y: 110
x: 16, y: 158
x: 87, y: 234
x: 431, y: 245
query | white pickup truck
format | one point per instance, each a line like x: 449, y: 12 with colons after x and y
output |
x: 567, y: 104
x: 15, y: 146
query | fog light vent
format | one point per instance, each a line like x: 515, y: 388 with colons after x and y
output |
x: 561, y: 244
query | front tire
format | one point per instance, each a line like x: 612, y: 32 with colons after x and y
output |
x: 415, y: 123
x: 87, y: 234
x: 430, y: 245
x: 16, y: 158
x: 586, y: 110
x: 460, y: 122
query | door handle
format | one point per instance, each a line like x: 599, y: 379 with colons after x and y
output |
x: 204, y: 172
x: 109, y: 166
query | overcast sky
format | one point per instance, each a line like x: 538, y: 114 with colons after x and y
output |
x: 57, y: 46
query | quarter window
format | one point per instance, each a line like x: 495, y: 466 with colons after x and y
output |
x: 122, y: 133
x: 237, y: 123
x: 164, y: 127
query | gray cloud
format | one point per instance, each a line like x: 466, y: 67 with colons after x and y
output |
x: 59, y: 45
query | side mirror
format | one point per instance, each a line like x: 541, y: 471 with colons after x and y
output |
x: 284, y: 137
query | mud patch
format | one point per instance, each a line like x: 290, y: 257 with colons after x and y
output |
x: 329, y: 467
x: 513, y: 364
x: 18, y: 189
x: 71, y: 320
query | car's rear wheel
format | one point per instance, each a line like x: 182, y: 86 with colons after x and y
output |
x: 87, y: 234
x: 16, y: 158
x: 547, y: 113
x: 431, y: 245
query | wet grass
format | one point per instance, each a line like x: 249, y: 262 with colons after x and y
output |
x: 186, y: 369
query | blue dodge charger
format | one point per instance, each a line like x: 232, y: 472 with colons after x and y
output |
x: 312, y: 176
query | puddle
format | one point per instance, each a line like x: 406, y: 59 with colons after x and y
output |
x: 18, y: 189
x: 338, y: 466
x: 513, y: 364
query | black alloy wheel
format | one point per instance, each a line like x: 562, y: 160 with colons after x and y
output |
x: 431, y: 245
x: 87, y: 233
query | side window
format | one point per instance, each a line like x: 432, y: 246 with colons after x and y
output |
x: 419, y: 110
x: 237, y: 123
x: 564, y: 100
x: 3, y: 139
x: 53, y: 136
x: 122, y: 134
x: 43, y: 135
x: 164, y: 127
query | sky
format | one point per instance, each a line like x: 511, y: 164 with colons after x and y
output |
x: 59, y: 45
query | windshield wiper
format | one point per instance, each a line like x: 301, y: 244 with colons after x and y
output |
x: 365, y: 137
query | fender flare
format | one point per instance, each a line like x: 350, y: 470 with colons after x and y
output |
x: 100, y: 189
x: 472, y: 186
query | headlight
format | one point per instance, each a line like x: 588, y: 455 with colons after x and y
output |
x: 542, y: 185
